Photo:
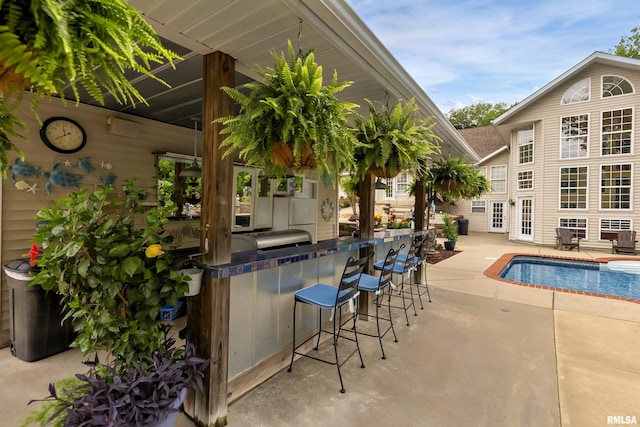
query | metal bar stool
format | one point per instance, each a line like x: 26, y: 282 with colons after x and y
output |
x: 420, y: 261
x: 404, y: 268
x: 333, y: 298
x: 422, y: 285
x: 378, y: 286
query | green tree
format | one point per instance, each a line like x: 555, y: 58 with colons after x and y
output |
x: 476, y: 115
x: 629, y: 45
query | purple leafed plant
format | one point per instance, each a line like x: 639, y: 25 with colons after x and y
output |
x: 107, y: 395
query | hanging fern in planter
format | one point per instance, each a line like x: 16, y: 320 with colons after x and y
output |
x: 290, y: 120
x: 46, y: 45
x: 394, y: 140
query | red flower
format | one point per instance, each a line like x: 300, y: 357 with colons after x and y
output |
x: 33, y: 254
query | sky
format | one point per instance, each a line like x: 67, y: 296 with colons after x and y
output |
x: 462, y: 52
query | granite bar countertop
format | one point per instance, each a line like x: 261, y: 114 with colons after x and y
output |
x: 250, y: 261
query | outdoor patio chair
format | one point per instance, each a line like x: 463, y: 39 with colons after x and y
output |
x: 566, y: 238
x: 405, y: 269
x: 327, y: 297
x: 378, y: 286
x: 625, y: 242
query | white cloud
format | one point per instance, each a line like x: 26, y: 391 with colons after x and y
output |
x: 493, y: 49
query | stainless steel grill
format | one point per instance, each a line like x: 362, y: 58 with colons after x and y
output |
x: 269, y: 240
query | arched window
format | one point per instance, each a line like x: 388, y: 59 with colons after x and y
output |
x: 615, y: 85
x: 578, y: 92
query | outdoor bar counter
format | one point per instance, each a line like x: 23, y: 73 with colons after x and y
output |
x: 263, y: 284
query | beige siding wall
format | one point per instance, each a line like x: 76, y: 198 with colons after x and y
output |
x: 546, y: 114
x: 480, y: 222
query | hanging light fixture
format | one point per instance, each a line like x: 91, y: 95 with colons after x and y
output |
x: 193, y: 171
x: 381, y: 185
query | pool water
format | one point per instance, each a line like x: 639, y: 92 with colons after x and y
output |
x: 585, y: 276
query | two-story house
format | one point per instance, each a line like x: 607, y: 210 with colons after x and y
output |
x: 571, y: 160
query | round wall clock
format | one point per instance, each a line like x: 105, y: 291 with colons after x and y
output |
x: 63, y: 135
x: 326, y: 209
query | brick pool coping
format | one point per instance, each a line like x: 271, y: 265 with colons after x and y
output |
x: 493, y: 272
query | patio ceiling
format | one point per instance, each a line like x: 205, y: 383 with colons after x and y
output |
x: 248, y: 30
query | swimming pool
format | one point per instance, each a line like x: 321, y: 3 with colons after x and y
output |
x: 585, y: 277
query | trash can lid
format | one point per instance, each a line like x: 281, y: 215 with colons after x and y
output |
x: 21, y: 265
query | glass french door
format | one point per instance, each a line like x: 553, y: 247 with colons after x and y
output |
x: 497, y: 218
x: 525, y: 219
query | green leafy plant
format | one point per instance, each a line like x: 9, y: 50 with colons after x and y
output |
x: 47, y: 45
x: 291, y: 108
x: 454, y: 179
x: 449, y: 229
x: 394, y: 140
x: 114, y: 274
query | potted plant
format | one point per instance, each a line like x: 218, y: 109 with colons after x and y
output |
x: 394, y: 140
x: 449, y: 231
x: 49, y: 45
x: 112, y: 264
x: 134, y: 394
x: 289, y: 120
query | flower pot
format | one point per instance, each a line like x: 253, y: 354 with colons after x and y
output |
x: 171, y: 419
x: 283, y: 156
x: 449, y: 185
x: 384, y: 172
x: 9, y: 79
x: 448, y: 245
x: 196, y: 279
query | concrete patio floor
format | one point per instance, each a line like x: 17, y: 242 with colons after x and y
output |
x: 483, y: 353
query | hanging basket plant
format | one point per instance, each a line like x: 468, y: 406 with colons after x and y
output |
x: 394, y: 140
x: 49, y: 46
x: 289, y: 120
x: 453, y: 179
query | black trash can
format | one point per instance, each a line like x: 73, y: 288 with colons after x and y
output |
x: 35, y: 316
x: 463, y: 226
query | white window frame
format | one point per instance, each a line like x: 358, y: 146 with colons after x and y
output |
x: 480, y: 206
x: 603, y: 134
x: 521, y: 181
x: 629, y: 187
x: 525, y: 138
x: 502, y: 180
x: 564, y: 139
x: 602, y: 93
x: 613, y: 225
x: 576, y: 92
x: 580, y: 190
x: 390, y: 192
x: 573, y: 224
x: 402, y: 184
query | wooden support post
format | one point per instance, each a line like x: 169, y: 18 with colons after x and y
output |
x: 367, y: 210
x: 208, y: 312
x: 419, y: 216
x: 419, y: 206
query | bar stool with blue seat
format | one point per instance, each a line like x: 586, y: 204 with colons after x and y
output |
x: 333, y: 298
x: 379, y: 285
x: 422, y: 284
x: 405, y: 268
x: 420, y: 262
